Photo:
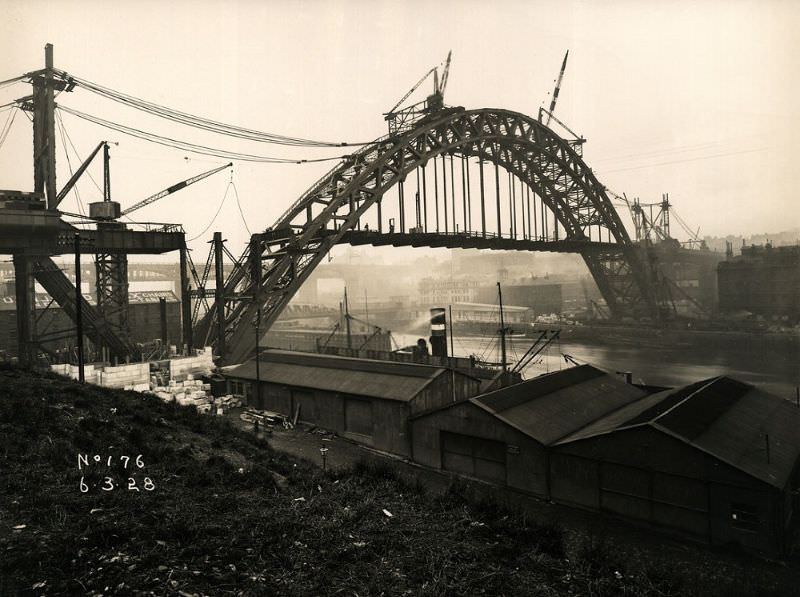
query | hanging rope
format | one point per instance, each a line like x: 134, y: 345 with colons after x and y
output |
x: 211, y: 223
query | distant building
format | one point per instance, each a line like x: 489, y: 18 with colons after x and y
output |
x: 763, y: 280
x: 691, y: 274
x: 447, y: 291
x: 481, y: 312
x: 540, y: 298
x: 144, y: 316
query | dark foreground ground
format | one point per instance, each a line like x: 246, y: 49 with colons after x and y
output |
x: 219, y: 512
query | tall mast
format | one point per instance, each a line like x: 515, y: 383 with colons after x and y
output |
x: 347, y: 320
x: 557, y: 89
x: 502, y: 331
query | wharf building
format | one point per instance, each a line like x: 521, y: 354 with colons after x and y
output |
x: 715, y: 461
x: 58, y: 330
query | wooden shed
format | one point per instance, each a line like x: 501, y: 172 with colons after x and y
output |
x: 502, y: 436
x: 716, y: 460
x: 366, y: 400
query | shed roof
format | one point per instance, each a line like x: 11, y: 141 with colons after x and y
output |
x: 554, y: 405
x: 347, y: 375
x: 731, y: 420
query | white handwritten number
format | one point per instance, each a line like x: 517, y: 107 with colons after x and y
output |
x: 132, y: 484
x: 139, y: 461
x: 126, y: 459
x: 148, y: 484
x: 84, y: 487
x: 108, y: 481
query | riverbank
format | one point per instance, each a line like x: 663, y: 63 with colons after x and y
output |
x: 225, y: 513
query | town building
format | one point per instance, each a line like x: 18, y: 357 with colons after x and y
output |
x: 436, y: 292
x: 542, y: 298
x: 763, y: 280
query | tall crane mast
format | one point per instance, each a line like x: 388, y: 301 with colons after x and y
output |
x: 557, y: 89
x: 402, y: 119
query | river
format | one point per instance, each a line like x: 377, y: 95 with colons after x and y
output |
x: 775, y: 371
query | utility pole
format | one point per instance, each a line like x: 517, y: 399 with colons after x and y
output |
x: 78, y: 313
x: 256, y: 265
x: 502, y: 330
x: 44, y: 148
x: 186, y: 301
x: 219, y: 294
x: 258, y: 357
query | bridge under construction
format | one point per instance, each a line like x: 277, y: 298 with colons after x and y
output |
x: 443, y: 176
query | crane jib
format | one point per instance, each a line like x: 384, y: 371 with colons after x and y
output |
x: 177, y: 187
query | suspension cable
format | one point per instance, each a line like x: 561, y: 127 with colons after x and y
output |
x: 191, y: 147
x: 201, y: 122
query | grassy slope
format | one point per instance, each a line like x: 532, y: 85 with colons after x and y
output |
x: 225, y: 517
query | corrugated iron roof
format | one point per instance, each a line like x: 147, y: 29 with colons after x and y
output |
x: 43, y: 300
x: 361, y: 377
x: 731, y: 420
x: 552, y: 406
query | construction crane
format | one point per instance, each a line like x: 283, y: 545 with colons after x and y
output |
x: 557, y: 90
x: 401, y: 119
x: 173, y: 188
x: 577, y: 141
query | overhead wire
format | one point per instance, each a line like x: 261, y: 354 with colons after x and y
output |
x: 8, y: 82
x: 69, y: 165
x: 199, y: 121
x: 89, y: 174
x: 694, y: 159
x: 191, y: 147
x: 7, y: 126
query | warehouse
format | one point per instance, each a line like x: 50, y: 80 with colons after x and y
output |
x: 716, y: 460
x: 502, y: 436
x: 144, y: 319
x: 365, y: 400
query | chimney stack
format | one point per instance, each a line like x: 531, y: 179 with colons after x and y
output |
x: 438, y: 332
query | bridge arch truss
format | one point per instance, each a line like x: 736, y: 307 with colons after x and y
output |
x: 278, y: 261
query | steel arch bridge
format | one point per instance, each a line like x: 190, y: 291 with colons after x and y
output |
x: 539, y: 165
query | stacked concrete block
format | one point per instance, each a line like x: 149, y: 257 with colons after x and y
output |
x: 200, y: 364
x: 125, y: 376
x: 90, y: 371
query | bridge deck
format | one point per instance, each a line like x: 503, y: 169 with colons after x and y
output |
x: 461, y: 240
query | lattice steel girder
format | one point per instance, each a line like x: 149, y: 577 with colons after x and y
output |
x: 518, y: 143
x: 112, y: 291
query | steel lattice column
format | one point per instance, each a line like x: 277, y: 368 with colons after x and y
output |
x: 26, y: 309
x: 112, y: 291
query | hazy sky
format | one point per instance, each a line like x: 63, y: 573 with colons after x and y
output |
x: 694, y: 98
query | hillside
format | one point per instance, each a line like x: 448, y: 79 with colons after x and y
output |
x: 215, y: 511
